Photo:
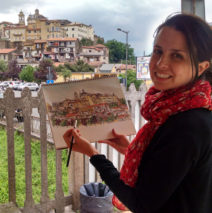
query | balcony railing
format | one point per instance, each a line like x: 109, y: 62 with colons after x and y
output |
x: 39, y: 127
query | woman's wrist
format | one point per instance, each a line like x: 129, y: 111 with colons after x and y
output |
x: 93, y: 152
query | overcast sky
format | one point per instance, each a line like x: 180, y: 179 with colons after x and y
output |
x: 140, y: 17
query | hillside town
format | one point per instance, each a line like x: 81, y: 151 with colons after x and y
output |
x: 39, y: 38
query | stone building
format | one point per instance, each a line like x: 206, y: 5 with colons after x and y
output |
x: 94, y: 53
x: 79, y: 30
x: 7, y: 54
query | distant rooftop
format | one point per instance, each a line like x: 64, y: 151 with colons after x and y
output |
x: 6, y: 51
x: 62, y: 39
x: 106, y: 68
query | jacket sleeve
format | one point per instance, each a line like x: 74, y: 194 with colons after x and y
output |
x: 161, y: 171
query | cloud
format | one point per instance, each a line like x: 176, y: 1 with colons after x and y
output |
x: 139, y: 17
x: 10, y: 5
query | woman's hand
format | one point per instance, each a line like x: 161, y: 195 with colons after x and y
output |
x: 120, y: 142
x: 80, y: 144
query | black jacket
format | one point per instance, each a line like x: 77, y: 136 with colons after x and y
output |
x: 175, y: 174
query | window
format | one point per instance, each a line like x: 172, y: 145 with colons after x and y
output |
x: 72, y: 29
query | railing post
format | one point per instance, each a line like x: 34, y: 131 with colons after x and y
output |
x: 27, y: 111
x: 59, y: 196
x: 43, y: 146
x: 76, y: 177
x: 9, y: 111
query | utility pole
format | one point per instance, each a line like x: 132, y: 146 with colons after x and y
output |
x: 195, y: 7
x: 126, y: 32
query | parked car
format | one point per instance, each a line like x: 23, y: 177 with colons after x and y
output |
x: 15, y: 84
x: 5, y: 84
x: 32, y: 86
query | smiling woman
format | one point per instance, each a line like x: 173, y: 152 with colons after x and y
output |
x: 167, y: 167
x: 170, y: 64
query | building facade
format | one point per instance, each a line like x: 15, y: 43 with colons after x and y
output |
x: 94, y: 53
x: 79, y: 30
x: 65, y: 49
x: 7, y: 54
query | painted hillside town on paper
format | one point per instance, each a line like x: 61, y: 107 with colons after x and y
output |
x: 88, y: 109
x: 98, y: 105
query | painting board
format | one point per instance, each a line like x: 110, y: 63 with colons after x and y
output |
x: 98, y: 105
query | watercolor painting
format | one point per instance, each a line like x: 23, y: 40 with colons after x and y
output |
x: 88, y: 109
x: 98, y: 105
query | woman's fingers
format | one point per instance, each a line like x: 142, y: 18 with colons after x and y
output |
x: 109, y: 142
x: 69, y: 134
x: 116, y: 134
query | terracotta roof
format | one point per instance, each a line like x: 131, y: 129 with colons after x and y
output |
x: 63, y: 21
x: 79, y: 24
x: 96, y: 63
x: 16, y: 27
x: 56, y: 64
x: 6, y: 51
x: 91, y: 47
x: 40, y: 41
x: 29, y: 28
x: 28, y: 43
x: 129, y: 66
x: 6, y: 22
x: 48, y: 53
x: 62, y: 39
x: 100, y: 45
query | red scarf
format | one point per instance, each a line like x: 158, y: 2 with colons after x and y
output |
x: 157, y: 108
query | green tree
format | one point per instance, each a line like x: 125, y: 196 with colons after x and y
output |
x: 59, y: 68
x: 131, y: 78
x: 66, y: 73
x: 81, y: 66
x: 86, y: 42
x: 3, y: 69
x: 100, y: 41
x: 117, y: 52
x: 27, y: 73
